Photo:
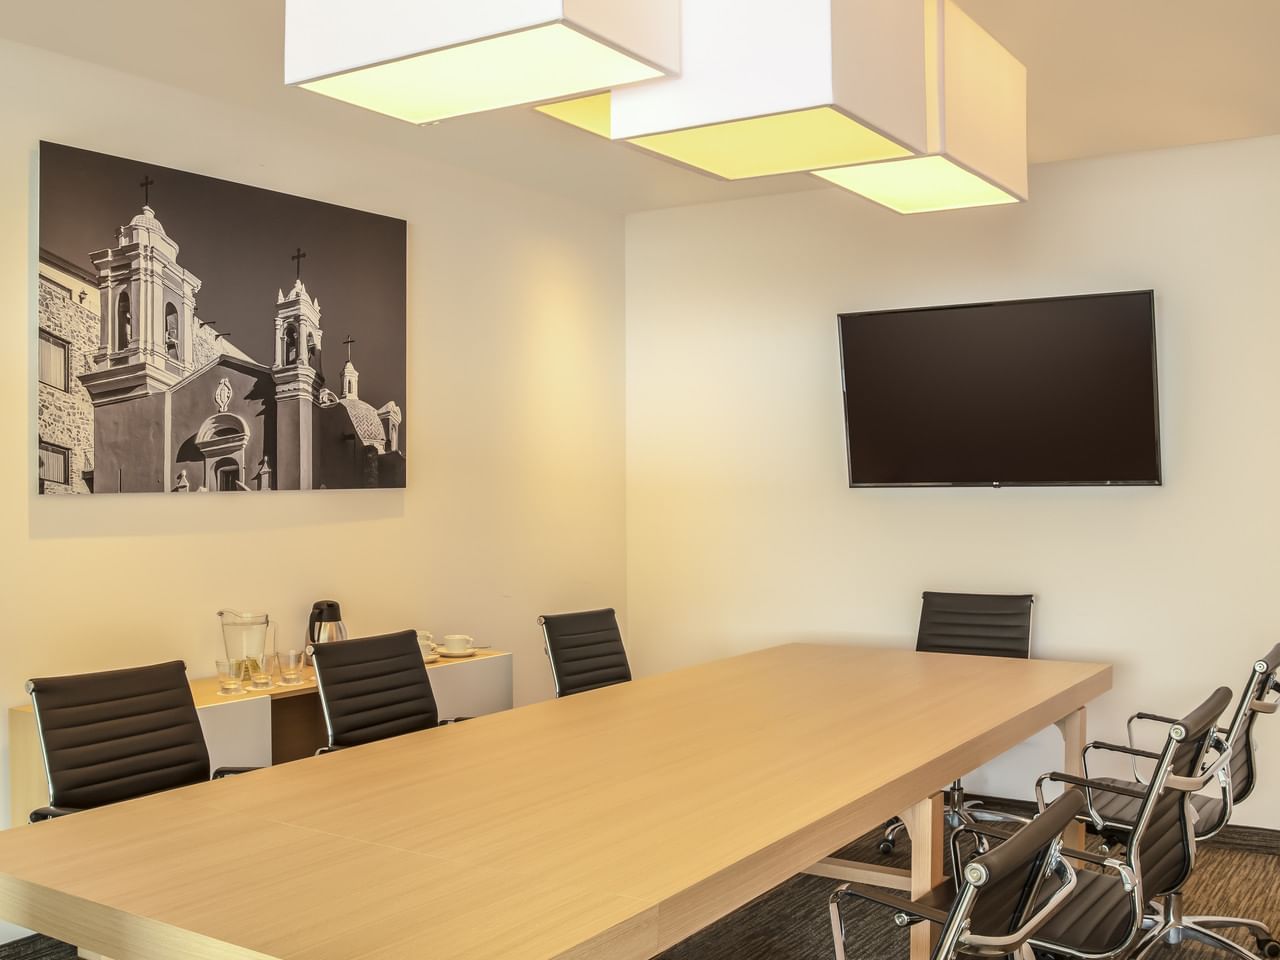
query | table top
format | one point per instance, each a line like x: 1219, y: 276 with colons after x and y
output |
x: 606, y: 825
x: 204, y: 690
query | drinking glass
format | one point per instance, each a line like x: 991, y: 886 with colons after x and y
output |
x: 271, y: 665
x: 260, y: 672
x: 290, y: 667
x: 231, y: 676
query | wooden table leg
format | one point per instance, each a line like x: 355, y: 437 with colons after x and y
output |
x: 924, y: 826
x: 1072, y: 727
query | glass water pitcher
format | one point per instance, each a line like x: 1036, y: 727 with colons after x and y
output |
x: 249, y: 638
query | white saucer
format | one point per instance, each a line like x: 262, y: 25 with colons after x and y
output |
x: 431, y: 658
x: 459, y: 655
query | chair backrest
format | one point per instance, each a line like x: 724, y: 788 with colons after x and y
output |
x: 372, y: 688
x: 1254, y: 700
x: 1162, y: 846
x: 1002, y: 898
x: 120, y: 734
x: 979, y: 624
x: 585, y: 650
x: 1160, y: 849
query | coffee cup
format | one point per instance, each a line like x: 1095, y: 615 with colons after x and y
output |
x: 425, y: 643
x: 457, y: 643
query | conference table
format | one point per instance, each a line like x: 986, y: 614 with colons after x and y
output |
x: 609, y: 825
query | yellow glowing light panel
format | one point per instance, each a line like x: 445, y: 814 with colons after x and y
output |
x: 918, y: 185
x: 592, y: 114
x: 782, y: 143
x: 542, y: 63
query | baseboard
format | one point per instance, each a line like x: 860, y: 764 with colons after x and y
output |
x: 9, y: 932
x: 1253, y: 839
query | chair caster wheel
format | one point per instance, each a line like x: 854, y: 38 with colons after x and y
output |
x: 1269, y: 948
x: 886, y: 847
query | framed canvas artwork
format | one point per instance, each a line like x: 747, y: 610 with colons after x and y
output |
x: 183, y: 344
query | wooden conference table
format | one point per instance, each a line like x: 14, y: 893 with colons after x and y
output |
x: 609, y: 825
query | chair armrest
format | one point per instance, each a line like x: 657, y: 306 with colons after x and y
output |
x: 231, y: 772
x: 1085, y: 855
x: 1155, y: 717
x: 1152, y: 718
x: 907, y: 912
x: 1089, y: 787
x: 1131, y: 751
x: 1087, y: 784
x: 1110, y: 863
x: 1118, y: 748
x: 50, y: 813
x: 1192, y: 784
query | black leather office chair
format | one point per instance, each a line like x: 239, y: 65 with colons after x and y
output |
x: 585, y: 650
x: 1113, y: 814
x: 1001, y: 898
x: 1130, y: 907
x: 373, y: 688
x: 117, y: 735
x: 976, y: 624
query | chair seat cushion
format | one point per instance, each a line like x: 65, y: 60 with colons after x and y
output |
x: 1096, y: 919
x: 1123, y: 811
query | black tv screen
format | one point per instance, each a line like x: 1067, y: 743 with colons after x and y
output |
x: 1022, y: 392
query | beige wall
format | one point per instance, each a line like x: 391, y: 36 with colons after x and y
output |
x: 514, y: 416
x: 742, y: 531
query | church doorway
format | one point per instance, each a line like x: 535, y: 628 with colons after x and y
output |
x: 227, y: 474
x: 222, y: 440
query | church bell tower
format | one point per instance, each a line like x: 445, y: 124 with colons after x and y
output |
x: 298, y: 379
x: 148, y: 313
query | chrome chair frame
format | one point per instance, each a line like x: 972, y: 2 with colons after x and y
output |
x: 1254, y: 701
x: 956, y: 938
x: 1155, y: 917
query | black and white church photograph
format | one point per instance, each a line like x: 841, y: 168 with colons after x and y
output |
x: 198, y: 335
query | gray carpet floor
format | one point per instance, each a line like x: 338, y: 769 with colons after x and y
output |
x: 791, y: 921
x: 37, y: 948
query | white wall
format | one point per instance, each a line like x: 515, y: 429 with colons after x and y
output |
x: 515, y: 409
x: 742, y: 531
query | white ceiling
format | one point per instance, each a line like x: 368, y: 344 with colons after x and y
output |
x: 1106, y: 76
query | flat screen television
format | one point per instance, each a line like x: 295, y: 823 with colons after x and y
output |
x: 1015, y: 393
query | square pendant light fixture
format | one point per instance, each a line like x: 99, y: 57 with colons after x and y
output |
x: 976, y: 106
x: 769, y: 87
x: 427, y: 60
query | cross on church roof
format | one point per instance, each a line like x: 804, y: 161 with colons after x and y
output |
x: 347, y: 343
x: 146, y: 184
x: 298, y: 258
